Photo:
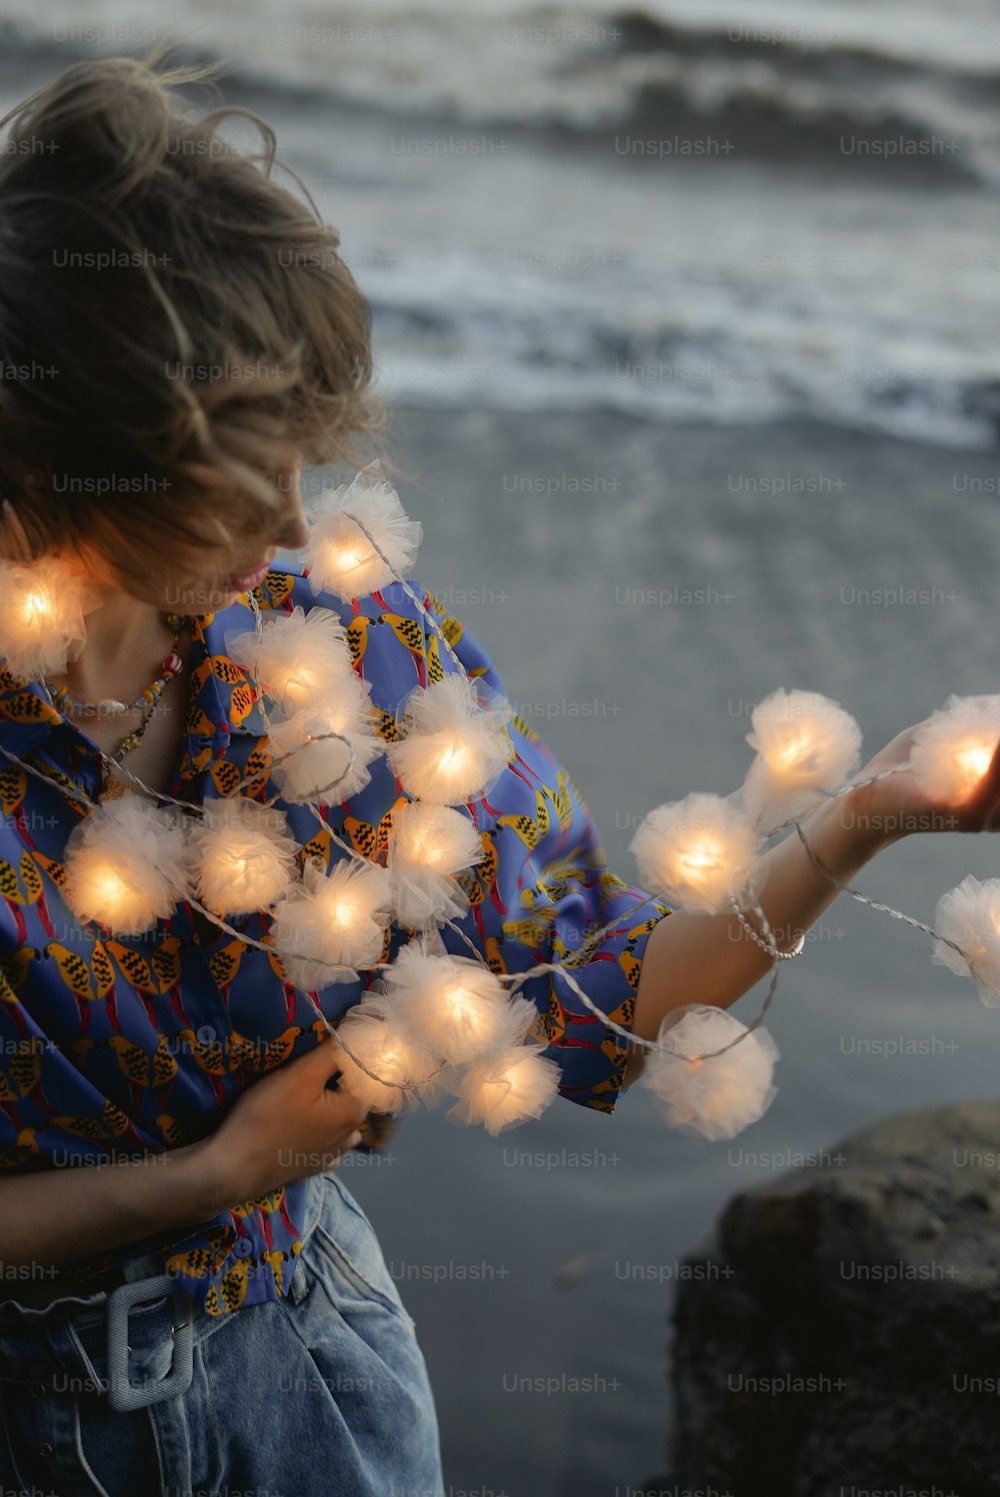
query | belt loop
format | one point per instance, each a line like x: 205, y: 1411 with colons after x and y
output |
x: 124, y: 1395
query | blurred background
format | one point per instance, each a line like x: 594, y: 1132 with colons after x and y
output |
x: 686, y: 315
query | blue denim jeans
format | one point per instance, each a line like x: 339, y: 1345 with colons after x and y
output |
x: 323, y: 1391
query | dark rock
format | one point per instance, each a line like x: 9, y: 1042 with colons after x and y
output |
x: 840, y: 1334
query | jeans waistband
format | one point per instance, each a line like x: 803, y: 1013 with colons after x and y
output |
x: 90, y: 1343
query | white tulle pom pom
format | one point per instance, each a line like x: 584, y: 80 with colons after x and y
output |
x: 340, y: 917
x: 242, y: 855
x: 379, y: 1044
x: 719, y: 1097
x: 952, y: 750
x: 806, y: 744
x: 340, y: 556
x: 119, y: 863
x: 427, y: 845
x: 694, y: 851
x: 316, y: 768
x: 969, y: 915
x: 300, y: 659
x: 452, y: 1005
x: 454, y: 743
x: 506, y: 1090
x: 41, y: 617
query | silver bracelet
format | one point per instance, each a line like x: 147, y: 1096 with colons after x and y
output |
x: 785, y: 956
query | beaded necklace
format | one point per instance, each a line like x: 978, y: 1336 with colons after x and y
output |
x: 171, y: 665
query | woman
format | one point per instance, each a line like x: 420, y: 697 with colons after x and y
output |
x: 177, y: 333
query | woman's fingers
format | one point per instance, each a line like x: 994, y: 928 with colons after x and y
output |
x: 983, y: 807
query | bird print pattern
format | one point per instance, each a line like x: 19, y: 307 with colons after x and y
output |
x: 134, y: 1046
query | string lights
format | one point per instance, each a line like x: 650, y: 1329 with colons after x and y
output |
x: 434, y: 1024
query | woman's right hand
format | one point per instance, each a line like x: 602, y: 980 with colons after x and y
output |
x: 287, y: 1126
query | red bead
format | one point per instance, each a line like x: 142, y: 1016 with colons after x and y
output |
x: 172, y: 665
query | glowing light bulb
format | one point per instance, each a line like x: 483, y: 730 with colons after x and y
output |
x: 954, y: 748
x: 795, y: 752
x: 349, y: 558
x: 297, y: 687
x: 693, y: 851
x: 806, y: 744
x: 973, y: 759
x: 454, y: 759
x: 36, y: 605
x: 703, y: 858
x: 110, y: 887
x: 459, y: 999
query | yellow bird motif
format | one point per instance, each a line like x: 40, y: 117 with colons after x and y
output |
x: 23, y: 1070
x: 561, y: 797
x: 256, y: 769
x: 140, y: 1068
x: 225, y: 963
x: 477, y: 882
x: 357, y: 636
x: 627, y: 960
x: 435, y: 670
x: 165, y: 958
x: 269, y: 1201
x: 25, y: 1147
x: 494, y: 960
x: 233, y: 675
x: 101, y: 969
x: 202, y: 1261
x: 384, y: 724
x: 362, y: 836
x: 578, y: 957
x: 14, y: 970
x: 13, y: 788
x: 243, y: 1052
x: 277, y: 1258
x: 208, y: 1054
x: 530, y: 932
x: 111, y: 1124
x: 23, y: 890
x: 72, y: 969
x: 173, y: 1133
x: 274, y: 589
x: 226, y: 776
x: 232, y: 1288
x: 409, y: 632
x: 52, y: 867
x: 530, y: 830
x: 279, y: 1049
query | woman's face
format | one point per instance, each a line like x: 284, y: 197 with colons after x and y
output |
x: 217, y: 577
x: 238, y: 571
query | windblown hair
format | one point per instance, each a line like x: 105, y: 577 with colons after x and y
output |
x: 176, y: 328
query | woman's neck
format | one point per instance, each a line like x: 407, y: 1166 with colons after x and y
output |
x: 126, y: 638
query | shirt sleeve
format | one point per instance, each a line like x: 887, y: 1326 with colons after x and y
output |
x: 544, y: 893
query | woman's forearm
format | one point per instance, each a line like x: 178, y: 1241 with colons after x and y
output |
x: 711, y: 959
x: 55, y: 1217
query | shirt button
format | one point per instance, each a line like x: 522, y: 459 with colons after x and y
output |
x: 38, y: 1390
x: 45, y: 1449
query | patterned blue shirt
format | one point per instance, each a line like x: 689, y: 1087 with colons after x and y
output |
x: 115, y: 1047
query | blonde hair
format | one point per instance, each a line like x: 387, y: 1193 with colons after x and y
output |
x: 176, y: 328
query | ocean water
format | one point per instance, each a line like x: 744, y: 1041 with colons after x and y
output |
x: 683, y: 211
x: 684, y: 299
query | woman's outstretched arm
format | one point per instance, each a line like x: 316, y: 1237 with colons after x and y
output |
x: 710, y: 959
